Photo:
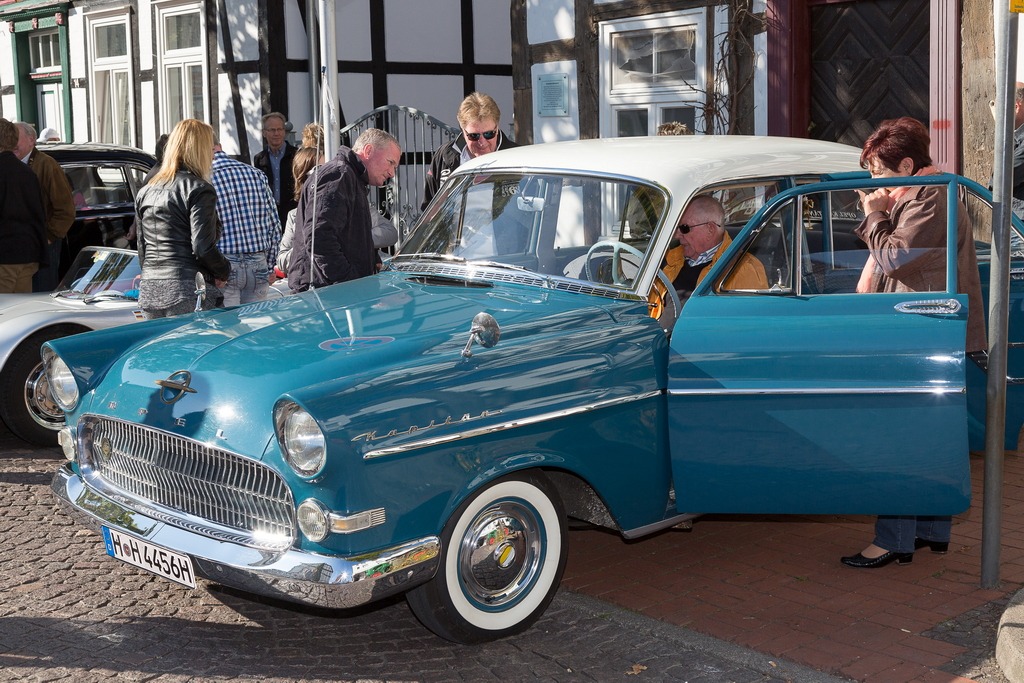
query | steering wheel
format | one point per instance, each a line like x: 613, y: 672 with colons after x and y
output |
x: 617, y: 247
x: 664, y: 302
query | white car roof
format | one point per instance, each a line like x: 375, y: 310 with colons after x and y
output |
x: 682, y: 163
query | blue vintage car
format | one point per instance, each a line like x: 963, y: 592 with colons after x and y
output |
x: 429, y: 430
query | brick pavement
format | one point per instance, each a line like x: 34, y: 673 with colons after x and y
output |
x: 68, y: 612
x: 738, y: 598
x: 775, y: 584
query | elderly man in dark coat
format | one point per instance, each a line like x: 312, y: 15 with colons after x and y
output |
x: 22, y: 218
x: 333, y: 239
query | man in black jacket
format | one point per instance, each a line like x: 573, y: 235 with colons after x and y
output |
x: 480, y: 120
x: 276, y: 163
x: 22, y: 218
x: 333, y: 240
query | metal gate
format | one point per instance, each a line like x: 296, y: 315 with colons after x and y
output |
x: 419, y: 135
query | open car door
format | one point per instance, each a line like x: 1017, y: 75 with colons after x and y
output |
x: 808, y: 397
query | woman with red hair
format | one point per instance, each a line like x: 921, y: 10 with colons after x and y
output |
x: 905, y: 231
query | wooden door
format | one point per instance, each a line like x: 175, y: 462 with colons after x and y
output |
x: 869, y: 61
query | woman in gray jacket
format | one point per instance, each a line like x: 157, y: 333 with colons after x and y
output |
x: 176, y: 214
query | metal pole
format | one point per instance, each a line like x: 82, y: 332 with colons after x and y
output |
x: 312, y: 17
x: 999, y: 291
x: 329, y: 80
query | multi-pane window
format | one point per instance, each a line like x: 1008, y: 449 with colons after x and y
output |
x: 654, y: 56
x: 652, y: 72
x: 44, y: 51
x: 111, y: 82
x: 182, y: 64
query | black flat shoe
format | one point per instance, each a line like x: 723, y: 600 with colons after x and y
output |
x: 934, y: 546
x: 860, y: 562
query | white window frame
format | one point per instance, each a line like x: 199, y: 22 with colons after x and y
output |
x: 110, y: 66
x: 182, y: 59
x: 654, y: 97
x: 34, y: 41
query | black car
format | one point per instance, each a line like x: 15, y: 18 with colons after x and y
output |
x: 104, y: 181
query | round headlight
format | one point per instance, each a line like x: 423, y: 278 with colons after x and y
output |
x: 301, y: 440
x: 312, y: 520
x: 63, y: 387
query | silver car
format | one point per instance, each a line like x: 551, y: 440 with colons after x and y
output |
x: 100, y: 290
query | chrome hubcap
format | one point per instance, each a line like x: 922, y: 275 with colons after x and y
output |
x: 500, y: 555
x: 40, y: 404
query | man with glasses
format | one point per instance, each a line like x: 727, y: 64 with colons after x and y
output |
x: 480, y: 119
x: 702, y: 241
x: 276, y: 163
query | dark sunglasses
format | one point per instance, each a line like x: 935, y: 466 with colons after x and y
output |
x: 685, y: 229
x: 489, y: 135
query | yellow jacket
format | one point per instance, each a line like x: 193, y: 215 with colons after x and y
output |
x: 748, y: 274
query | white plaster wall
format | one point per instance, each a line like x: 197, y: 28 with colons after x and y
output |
x: 493, y: 31
x: 420, y: 31
x: 299, y: 107
x: 249, y: 93
x: 147, y: 48
x: 356, y: 95
x: 760, y: 78
x: 557, y: 128
x: 77, y: 70
x: 548, y: 20
x: 243, y: 29
x: 437, y: 95
x: 296, y: 41
x: 149, y: 119
x: 352, y: 19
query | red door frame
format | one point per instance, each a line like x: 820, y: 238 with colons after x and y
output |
x: 789, y: 69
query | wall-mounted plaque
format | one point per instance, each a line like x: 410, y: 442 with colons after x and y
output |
x: 553, y: 95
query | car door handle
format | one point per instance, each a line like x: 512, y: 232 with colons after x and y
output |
x: 929, y: 307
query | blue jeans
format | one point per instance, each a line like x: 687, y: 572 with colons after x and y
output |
x: 249, y: 279
x: 897, y: 534
x: 45, y: 279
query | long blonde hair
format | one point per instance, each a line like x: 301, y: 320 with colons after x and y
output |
x: 189, y: 148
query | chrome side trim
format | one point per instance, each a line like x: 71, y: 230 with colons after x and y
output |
x: 294, y: 575
x: 819, y: 391
x: 511, y: 424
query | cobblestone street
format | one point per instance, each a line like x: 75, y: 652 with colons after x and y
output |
x: 69, y: 612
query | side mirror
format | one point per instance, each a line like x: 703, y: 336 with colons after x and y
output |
x: 484, y: 331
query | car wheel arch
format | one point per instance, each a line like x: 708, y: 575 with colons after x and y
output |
x: 579, y: 497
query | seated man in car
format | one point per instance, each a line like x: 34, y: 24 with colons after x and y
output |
x: 702, y: 241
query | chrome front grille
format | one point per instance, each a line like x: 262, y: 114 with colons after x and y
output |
x: 186, y: 483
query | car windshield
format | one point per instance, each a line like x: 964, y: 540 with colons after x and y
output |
x: 98, y: 274
x: 589, y: 228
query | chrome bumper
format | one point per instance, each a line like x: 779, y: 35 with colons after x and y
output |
x: 292, y: 575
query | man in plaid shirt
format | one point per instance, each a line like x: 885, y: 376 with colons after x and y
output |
x: 250, y: 228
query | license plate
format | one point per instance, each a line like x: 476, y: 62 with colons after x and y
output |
x: 152, y: 558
